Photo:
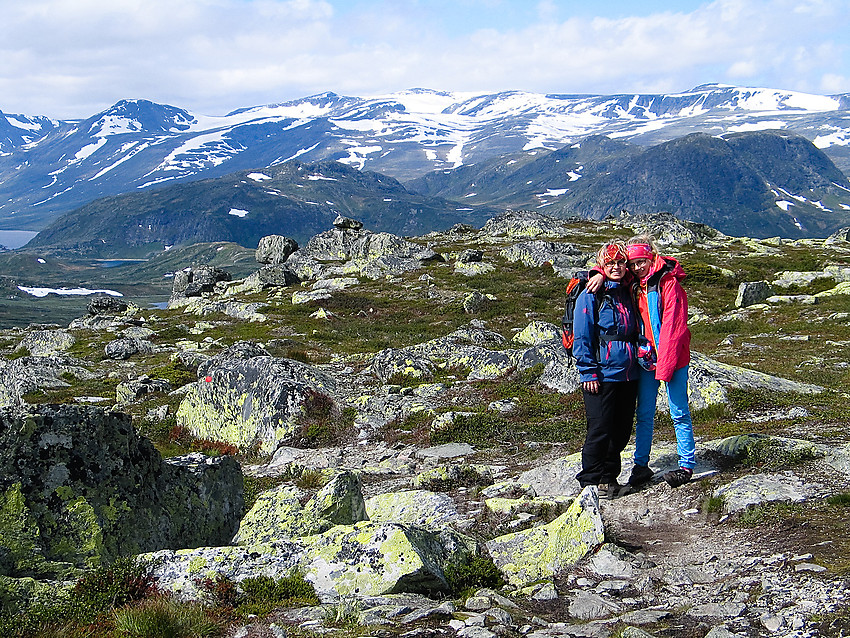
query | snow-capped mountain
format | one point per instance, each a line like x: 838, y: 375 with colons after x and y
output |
x: 48, y: 167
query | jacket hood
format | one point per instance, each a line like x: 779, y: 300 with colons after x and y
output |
x: 664, y: 265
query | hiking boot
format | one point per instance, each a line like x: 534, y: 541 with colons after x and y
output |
x: 676, y: 478
x: 610, y: 490
x: 640, y: 474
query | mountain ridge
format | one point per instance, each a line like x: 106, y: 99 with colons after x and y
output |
x: 48, y: 167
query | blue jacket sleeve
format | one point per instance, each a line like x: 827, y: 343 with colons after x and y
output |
x: 586, y: 340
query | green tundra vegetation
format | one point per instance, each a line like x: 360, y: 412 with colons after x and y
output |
x: 806, y: 343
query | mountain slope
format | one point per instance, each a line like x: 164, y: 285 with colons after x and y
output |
x: 293, y: 199
x: 759, y: 183
x: 50, y: 167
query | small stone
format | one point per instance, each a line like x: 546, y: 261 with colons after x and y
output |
x: 477, y: 603
x: 771, y: 622
x: 809, y: 567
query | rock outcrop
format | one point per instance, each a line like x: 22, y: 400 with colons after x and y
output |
x: 252, y: 402
x: 79, y: 487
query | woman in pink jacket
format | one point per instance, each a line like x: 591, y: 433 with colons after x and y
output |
x: 663, y: 307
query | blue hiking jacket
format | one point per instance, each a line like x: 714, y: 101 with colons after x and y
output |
x: 606, y: 328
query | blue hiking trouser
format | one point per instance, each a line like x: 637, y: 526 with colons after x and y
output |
x: 677, y: 399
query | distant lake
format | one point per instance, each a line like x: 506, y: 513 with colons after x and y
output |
x: 112, y: 263
x: 15, y: 238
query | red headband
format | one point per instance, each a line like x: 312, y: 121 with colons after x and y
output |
x: 612, y: 252
x: 640, y: 251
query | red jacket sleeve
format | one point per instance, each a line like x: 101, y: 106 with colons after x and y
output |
x: 675, y: 339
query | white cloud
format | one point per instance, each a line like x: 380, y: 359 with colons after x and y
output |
x: 67, y: 59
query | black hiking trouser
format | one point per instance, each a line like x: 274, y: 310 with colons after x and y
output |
x: 610, y: 415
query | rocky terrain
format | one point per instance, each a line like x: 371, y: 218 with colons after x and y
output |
x: 408, y: 431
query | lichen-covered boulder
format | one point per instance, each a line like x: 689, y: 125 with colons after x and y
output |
x: 365, y: 559
x: 447, y: 477
x: 524, y: 223
x: 347, y: 223
x: 46, y: 342
x: 126, y: 347
x: 27, y: 374
x: 537, y: 253
x: 238, y: 310
x: 473, y: 268
x: 708, y: 381
x: 400, y: 362
x: 79, y: 486
x: 756, y: 489
x: 537, y: 332
x: 556, y: 478
x: 275, y: 249
x: 275, y: 275
x: 339, y: 502
x: 415, y: 507
x: 251, y: 402
x: 309, y: 296
x: 276, y: 515
x: 541, y: 552
x: 107, y: 305
x: 371, y: 559
x: 180, y: 572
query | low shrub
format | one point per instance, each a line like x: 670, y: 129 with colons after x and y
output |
x: 323, y: 422
x: 262, y: 594
x: 166, y: 618
x: 175, y: 373
x: 482, y: 428
x: 471, y: 573
x: 125, y: 580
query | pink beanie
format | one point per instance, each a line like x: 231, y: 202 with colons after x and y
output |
x: 640, y: 251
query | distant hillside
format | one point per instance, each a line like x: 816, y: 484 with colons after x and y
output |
x: 292, y: 199
x: 759, y: 184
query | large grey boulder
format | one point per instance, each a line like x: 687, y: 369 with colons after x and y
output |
x: 756, y: 489
x: 365, y: 559
x: 539, y: 553
x: 27, y: 374
x: 126, y: 347
x: 79, y: 486
x: 524, y: 223
x: 669, y: 230
x: 400, y: 362
x: 275, y: 249
x: 278, y: 513
x: 347, y: 251
x: 339, y: 502
x: 194, y: 282
x: 276, y: 275
x: 253, y: 402
x: 709, y: 380
x: 107, y: 305
x: 46, y: 342
x: 752, y: 292
x: 536, y: 253
x: 432, y: 510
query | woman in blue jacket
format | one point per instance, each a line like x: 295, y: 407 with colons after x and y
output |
x: 606, y: 329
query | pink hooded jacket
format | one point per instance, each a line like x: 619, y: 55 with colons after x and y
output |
x: 663, y: 307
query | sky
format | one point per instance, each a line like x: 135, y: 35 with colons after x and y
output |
x: 71, y: 59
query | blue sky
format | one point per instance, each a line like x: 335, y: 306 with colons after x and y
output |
x: 69, y: 59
